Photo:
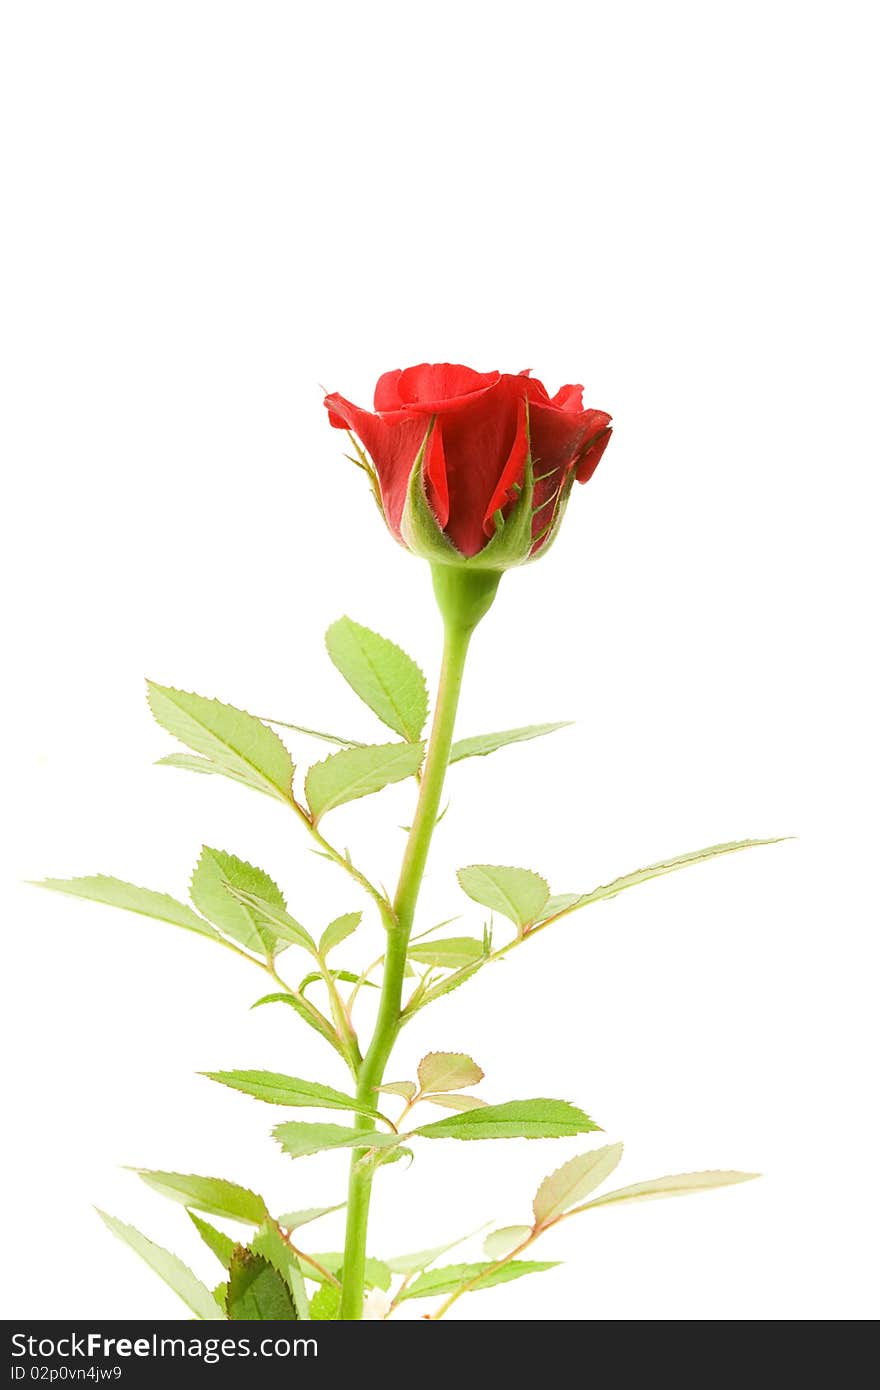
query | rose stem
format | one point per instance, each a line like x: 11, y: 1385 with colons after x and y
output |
x: 464, y: 596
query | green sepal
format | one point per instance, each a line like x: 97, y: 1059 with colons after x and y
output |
x: 419, y: 527
x: 549, y: 517
x: 511, y: 542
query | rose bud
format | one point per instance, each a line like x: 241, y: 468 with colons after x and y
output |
x: 473, y: 467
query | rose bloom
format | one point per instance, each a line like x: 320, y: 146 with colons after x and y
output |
x: 478, y: 429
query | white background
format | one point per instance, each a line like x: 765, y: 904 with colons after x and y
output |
x: 212, y: 208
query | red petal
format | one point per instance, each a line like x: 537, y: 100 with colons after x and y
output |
x: 511, y: 473
x: 478, y: 438
x: 588, y: 461
x: 560, y: 438
x: 392, y: 446
x: 477, y: 448
x: 548, y: 485
x: 387, y: 394
x: 535, y: 389
x: 434, y: 388
x: 339, y: 422
x: 569, y: 398
x: 435, y: 476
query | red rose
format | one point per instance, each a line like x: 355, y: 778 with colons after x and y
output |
x: 491, y: 441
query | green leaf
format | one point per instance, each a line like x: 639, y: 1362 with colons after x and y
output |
x: 175, y: 1273
x: 278, y: 1089
x: 677, y: 1185
x: 481, y: 744
x: 382, y: 675
x: 357, y: 772
x: 191, y: 762
x: 420, y: 1259
x: 449, y: 952
x: 665, y: 866
x: 446, y: 986
x: 518, y: 894
x: 237, y: 744
x: 560, y: 902
x: 499, y: 1244
x: 299, y: 1293
x: 292, y: 1220
x: 316, y: 733
x: 438, y: 926
x: 309, y: 1014
x: 256, y: 1291
x: 218, y: 880
x: 406, y: 1089
x: 451, y: 1277
x: 514, y: 1119
x: 299, y: 1140
x: 325, y: 1303
x: 270, y: 1243
x: 98, y: 888
x: 448, y: 1071
x: 215, y: 1196
x: 455, y: 1102
x: 338, y: 931
x: 347, y: 977
x: 218, y: 1242
x: 574, y: 1181
x: 268, y: 914
x: 395, y: 1155
x: 377, y: 1274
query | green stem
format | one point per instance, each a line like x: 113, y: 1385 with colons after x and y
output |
x: 464, y: 596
